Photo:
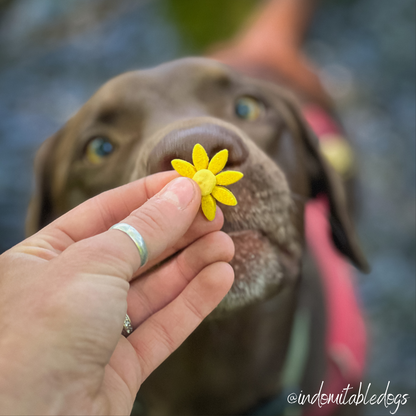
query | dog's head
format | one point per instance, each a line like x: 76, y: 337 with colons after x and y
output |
x: 138, y: 122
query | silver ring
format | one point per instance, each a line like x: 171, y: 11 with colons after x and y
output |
x: 136, y: 237
x: 127, y: 327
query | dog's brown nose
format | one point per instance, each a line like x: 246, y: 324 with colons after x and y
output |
x: 179, y: 143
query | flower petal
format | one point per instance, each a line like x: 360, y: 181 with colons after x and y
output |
x: 228, y: 177
x: 200, y: 157
x: 218, y: 162
x: 209, y: 207
x: 224, y: 196
x: 183, y: 167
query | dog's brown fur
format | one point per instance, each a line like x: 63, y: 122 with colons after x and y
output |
x: 235, y: 358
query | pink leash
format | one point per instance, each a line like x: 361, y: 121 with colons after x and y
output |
x: 346, y: 339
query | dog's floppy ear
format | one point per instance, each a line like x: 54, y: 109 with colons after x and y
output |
x: 40, y: 207
x: 324, y: 180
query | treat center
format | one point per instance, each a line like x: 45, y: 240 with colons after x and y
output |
x: 206, y: 181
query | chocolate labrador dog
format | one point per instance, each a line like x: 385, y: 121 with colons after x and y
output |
x: 134, y: 126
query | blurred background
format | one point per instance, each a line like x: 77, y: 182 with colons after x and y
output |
x: 55, y: 54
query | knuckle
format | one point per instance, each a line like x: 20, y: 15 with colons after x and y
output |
x: 183, y: 271
x: 193, y: 308
x: 151, y: 219
x: 143, y: 300
x: 144, y: 356
x: 164, y: 336
x: 104, y: 212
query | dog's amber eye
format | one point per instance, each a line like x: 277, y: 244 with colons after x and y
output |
x: 248, y: 108
x: 98, y: 149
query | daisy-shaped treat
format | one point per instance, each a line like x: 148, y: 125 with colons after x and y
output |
x: 206, y: 174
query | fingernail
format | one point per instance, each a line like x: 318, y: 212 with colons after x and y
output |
x: 179, y: 192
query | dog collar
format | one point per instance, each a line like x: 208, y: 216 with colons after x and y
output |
x: 293, y: 370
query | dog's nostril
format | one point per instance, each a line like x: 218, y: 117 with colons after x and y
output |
x: 178, y: 144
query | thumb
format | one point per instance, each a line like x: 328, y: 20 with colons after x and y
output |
x: 161, y: 221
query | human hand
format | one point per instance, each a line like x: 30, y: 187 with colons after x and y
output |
x: 64, y: 293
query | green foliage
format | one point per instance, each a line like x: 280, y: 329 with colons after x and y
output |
x: 204, y: 22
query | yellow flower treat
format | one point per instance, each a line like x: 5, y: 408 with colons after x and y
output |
x: 206, y: 174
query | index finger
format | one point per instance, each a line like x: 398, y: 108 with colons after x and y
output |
x: 98, y: 214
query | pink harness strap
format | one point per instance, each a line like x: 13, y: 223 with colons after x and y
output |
x: 346, y: 338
